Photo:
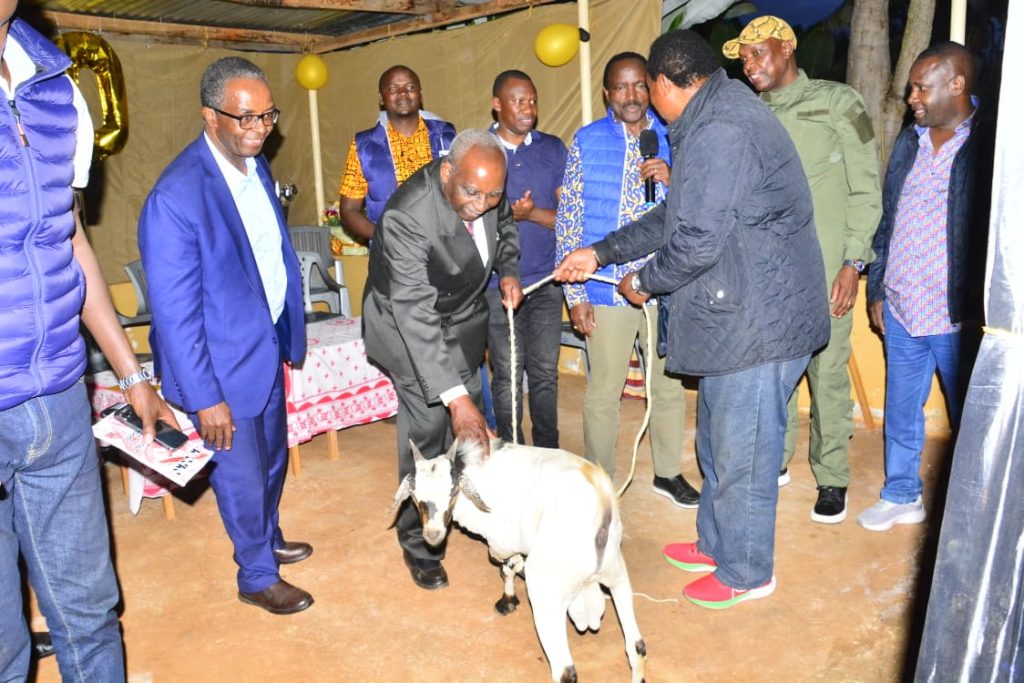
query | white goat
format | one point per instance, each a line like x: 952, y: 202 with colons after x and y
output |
x: 554, y: 508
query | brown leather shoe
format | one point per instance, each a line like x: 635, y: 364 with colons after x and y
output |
x: 279, y: 598
x: 290, y: 553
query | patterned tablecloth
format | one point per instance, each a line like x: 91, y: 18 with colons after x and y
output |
x: 336, y: 387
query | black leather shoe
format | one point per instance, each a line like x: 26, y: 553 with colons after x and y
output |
x: 678, y: 490
x: 428, y: 574
x: 42, y: 645
x: 279, y: 598
x: 290, y: 553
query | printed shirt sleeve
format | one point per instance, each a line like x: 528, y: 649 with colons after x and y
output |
x: 353, y: 182
x: 569, y: 220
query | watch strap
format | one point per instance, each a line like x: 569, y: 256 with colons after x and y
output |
x: 143, y: 375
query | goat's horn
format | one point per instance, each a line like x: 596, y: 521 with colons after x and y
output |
x: 416, y: 455
x: 453, y: 450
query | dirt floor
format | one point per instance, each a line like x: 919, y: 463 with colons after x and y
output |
x: 845, y: 608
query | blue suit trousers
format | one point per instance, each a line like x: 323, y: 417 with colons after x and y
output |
x: 248, y: 481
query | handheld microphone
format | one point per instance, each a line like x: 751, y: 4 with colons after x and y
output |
x: 649, y: 150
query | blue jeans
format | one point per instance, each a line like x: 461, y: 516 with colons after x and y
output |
x: 741, y: 430
x: 51, y: 510
x: 538, y: 324
x: 910, y: 364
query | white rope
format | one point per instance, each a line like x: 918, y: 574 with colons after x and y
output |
x: 648, y: 369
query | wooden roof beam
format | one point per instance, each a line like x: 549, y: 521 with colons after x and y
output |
x: 386, y: 6
x: 424, y: 22
x: 189, y: 32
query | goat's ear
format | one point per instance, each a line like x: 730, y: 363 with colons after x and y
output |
x: 416, y: 455
x: 453, y: 450
x: 404, y: 491
x: 469, y: 491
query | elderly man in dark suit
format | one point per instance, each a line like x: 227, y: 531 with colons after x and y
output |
x: 424, y: 315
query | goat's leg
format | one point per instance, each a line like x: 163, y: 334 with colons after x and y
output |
x: 616, y: 578
x: 549, y: 596
x: 508, y: 602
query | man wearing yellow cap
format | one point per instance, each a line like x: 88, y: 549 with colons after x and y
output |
x: 836, y: 144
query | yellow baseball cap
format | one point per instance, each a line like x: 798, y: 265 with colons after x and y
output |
x: 758, y: 31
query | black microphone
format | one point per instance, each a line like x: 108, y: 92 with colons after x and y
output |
x: 649, y: 150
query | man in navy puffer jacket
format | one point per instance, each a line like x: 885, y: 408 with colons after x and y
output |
x: 51, y: 502
x: 737, y: 257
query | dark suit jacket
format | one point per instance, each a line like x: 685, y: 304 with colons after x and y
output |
x: 212, y: 336
x: 424, y: 313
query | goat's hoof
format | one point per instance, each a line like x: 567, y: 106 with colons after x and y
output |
x: 507, y: 604
x: 568, y: 674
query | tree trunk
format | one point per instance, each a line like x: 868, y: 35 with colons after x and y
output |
x: 869, y: 67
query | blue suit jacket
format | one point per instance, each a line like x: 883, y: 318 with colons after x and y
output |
x: 212, y: 336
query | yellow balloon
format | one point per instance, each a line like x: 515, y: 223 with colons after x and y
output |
x: 311, y: 72
x: 90, y: 52
x: 557, y: 44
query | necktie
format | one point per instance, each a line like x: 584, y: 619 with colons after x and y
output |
x: 469, y: 227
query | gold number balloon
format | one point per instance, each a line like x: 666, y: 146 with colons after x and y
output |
x: 89, y: 51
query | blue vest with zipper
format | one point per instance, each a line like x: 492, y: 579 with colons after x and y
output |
x: 602, y: 158
x: 378, y: 167
x: 41, y: 350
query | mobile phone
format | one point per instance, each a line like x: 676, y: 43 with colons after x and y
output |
x: 166, y: 435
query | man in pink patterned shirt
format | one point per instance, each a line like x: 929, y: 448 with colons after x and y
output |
x: 924, y: 289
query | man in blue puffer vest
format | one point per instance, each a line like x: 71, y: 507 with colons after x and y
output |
x: 603, y: 189
x: 51, y: 500
x: 381, y: 158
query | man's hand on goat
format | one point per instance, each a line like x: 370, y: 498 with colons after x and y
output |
x: 468, y: 425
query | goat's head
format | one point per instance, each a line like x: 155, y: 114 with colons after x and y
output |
x: 434, y: 487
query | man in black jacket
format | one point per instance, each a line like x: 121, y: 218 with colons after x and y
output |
x: 925, y: 286
x: 737, y: 257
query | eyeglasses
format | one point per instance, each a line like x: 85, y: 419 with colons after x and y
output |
x: 247, y: 121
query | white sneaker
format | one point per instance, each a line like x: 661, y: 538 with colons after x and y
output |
x: 784, y: 477
x: 883, y: 514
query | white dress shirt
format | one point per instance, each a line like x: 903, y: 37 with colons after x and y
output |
x: 261, y: 226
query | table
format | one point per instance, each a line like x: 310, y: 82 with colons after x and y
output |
x: 336, y: 386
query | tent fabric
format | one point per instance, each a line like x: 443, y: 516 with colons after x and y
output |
x: 456, y: 67
x: 974, y: 627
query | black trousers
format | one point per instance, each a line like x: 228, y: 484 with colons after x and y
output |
x: 429, y: 427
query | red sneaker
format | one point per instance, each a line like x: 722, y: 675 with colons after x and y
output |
x: 688, y: 558
x: 709, y: 592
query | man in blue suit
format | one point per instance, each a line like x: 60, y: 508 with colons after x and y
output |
x: 227, y: 310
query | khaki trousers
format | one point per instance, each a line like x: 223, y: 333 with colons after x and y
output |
x: 831, y: 409
x: 609, y: 349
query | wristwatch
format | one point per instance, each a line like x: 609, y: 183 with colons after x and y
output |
x: 143, y: 375
x: 637, y: 286
x: 855, y: 263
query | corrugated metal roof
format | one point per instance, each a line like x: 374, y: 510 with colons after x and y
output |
x: 226, y: 14
x: 274, y: 24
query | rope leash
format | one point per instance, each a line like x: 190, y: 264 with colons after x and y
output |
x: 648, y: 369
